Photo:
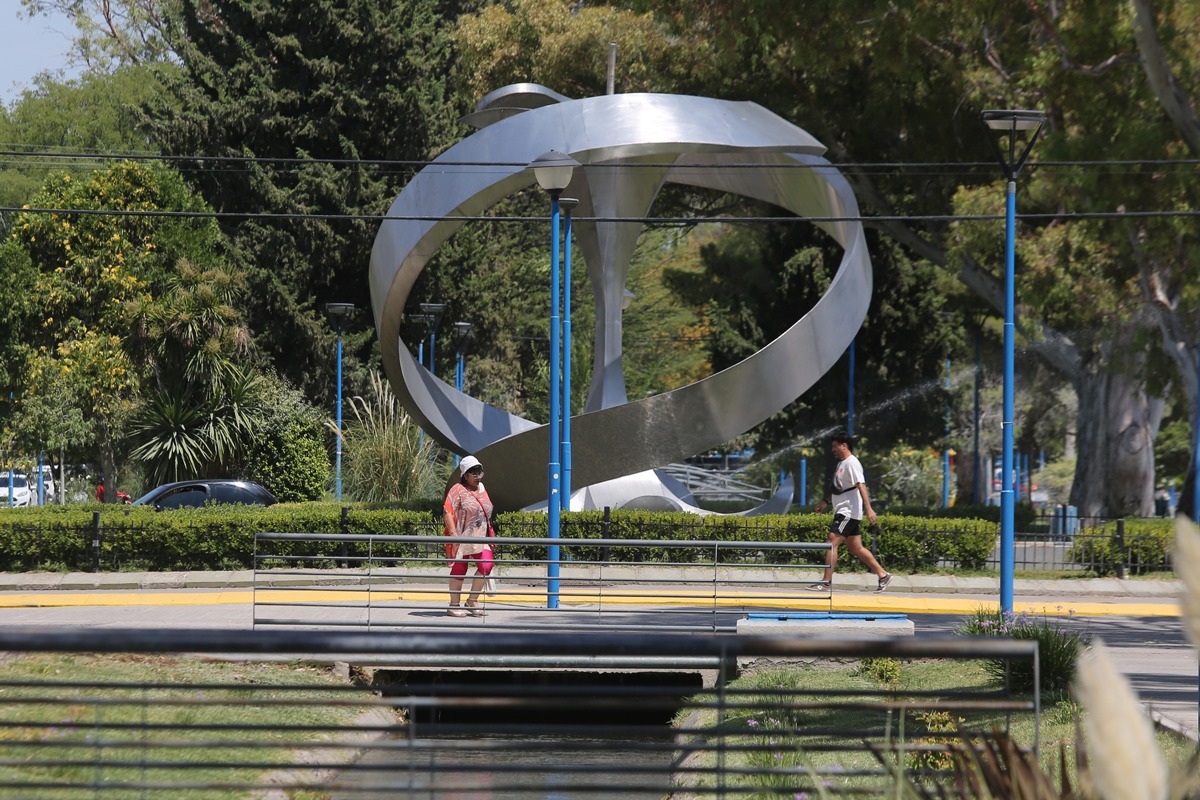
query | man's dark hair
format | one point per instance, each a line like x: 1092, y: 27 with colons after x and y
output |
x: 842, y: 437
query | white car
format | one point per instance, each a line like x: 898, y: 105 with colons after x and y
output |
x: 22, y: 493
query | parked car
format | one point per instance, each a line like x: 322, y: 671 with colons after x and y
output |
x: 192, y: 494
x: 22, y: 493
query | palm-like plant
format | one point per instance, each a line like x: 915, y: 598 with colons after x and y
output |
x: 206, y: 404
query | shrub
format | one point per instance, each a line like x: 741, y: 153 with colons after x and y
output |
x: 288, y: 454
x: 1058, y: 649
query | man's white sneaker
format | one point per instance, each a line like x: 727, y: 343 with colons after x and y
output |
x: 822, y: 586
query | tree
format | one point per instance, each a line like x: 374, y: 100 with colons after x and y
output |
x: 110, y: 33
x: 96, y: 113
x: 323, y: 95
x: 895, y: 84
x: 88, y: 273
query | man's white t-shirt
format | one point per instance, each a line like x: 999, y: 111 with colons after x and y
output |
x: 847, y: 499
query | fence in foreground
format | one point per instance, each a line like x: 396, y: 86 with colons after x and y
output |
x: 268, y: 728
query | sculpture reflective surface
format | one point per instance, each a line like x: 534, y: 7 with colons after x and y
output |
x: 630, y: 145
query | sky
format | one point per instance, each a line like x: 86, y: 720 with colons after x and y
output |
x: 29, y: 46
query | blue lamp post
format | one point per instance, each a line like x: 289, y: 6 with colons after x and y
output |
x: 567, y: 204
x: 462, y: 333
x: 1013, y: 124
x: 850, y: 393
x: 432, y: 312
x: 946, y: 444
x: 553, y: 171
x: 338, y: 312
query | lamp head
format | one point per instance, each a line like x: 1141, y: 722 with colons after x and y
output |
x: 433, y: 315
x: 553, y: 170
x: 1013, y: 119
x: 337, y: 313
x: 1013, y: 123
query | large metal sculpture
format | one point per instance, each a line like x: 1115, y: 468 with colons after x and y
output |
x: 630, y: 145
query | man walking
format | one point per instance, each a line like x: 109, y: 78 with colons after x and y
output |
x: 850, y: 499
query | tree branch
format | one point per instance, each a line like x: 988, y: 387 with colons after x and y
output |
x: 1162, y: 81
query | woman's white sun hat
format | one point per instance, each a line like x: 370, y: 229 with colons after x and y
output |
x: 468, y: 463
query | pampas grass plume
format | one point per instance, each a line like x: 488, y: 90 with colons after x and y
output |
x: 1124, y: 758
x: 1187, y: 567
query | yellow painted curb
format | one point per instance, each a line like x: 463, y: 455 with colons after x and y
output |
x: 848, y: 602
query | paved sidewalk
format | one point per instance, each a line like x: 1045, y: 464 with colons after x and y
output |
x: 1133, y: 589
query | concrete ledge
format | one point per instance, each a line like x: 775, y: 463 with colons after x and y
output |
x: 827, y: 624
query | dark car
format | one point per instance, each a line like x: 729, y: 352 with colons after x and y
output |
x: 192, y: 494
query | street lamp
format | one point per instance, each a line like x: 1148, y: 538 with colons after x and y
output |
x: 1013, y: 124
x: 946, y: 444
x: 432, y: 312
x: 553, y: 171
x: 850, y: 392
x: 568, y: 204
x: 337, y: 313
x: 462, y: 331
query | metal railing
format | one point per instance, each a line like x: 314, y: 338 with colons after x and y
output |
x: 317, y: 580
x: 244, y: 713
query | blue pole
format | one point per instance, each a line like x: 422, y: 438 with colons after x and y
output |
x: 421, y: 361
x: 432, y: 362
x: 850, y: 393
x: 946, y: 444
x: 339, y: 416
x: 1195, y: 455
x: 460, y: 375
x: 804, y: 481
x: 553, y: 503
x: 566, y: 376
x: 41, y: 482
x: 979, y: 489
x: 1008, y: 522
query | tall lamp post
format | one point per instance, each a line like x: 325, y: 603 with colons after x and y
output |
x: 567, y: 204
x: 462, y: 332
x: 337, y: 313
x: 553, y: 171
x: 1012, y: 124
x: 433, y: 319
x: 850, y: 393
x: 946, y: 444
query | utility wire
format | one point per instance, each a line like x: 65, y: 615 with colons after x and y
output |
x: 665, y: 221
x: 421, y: 164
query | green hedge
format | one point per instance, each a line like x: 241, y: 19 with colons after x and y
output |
x: 1145, y: 546
x: 222, y: 537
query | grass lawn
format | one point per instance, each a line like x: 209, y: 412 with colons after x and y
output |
x: 800, y: 732
x: 74, y: 726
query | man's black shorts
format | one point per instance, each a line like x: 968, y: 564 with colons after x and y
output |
x: 842, y: 525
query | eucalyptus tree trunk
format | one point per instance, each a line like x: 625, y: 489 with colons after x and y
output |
x: 1117, y: 425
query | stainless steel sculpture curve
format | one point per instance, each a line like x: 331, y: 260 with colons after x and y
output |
x: 630, y: 145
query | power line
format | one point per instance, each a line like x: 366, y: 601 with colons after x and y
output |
x: 421, y: 163
x: 658, y: 221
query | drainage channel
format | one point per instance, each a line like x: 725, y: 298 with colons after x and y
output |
x: 518, y: 734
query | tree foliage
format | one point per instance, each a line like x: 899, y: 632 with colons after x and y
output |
x: 325, y: 95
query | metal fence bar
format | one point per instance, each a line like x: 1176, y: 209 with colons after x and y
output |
x: 407, y: 588
x: 451, y: 729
